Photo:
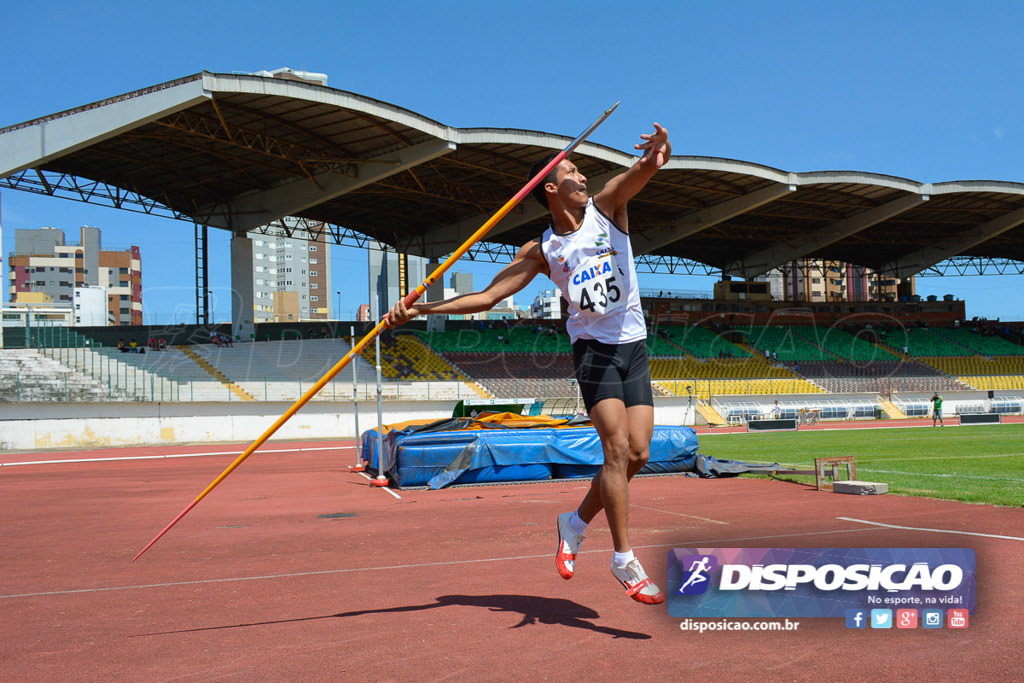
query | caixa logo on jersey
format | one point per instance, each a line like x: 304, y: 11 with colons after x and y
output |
x: 816, y: 582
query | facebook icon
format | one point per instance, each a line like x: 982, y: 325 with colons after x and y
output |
x: 856, y: 618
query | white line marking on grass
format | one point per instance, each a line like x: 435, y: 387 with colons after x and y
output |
x: 924, y: 458
x: 170, y: 455
x: 936, y: 531
x: 933, y: 474
x: 971, y: 456
x: 689, y: 543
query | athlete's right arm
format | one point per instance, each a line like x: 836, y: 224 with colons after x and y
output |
x: 527, y: 264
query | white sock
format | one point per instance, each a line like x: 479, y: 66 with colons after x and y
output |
x: 576, y: 524
x: 622, y: 559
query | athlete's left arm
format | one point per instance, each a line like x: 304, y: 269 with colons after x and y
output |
x: 612, y: 199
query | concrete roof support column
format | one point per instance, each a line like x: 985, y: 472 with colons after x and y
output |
x: 242, y: 300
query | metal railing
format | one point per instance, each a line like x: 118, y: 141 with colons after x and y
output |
x: 106, y: 373
x: 113, y: 378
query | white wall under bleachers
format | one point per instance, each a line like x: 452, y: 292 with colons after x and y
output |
x: 759, y: 406
x: 28, y: 426
x: 32, y: 426
x: 955, y: 402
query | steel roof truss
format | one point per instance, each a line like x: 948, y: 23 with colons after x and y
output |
x: 757, y: 263
x: 950, y: 246
x: 648, y: 240
x: 444, y: 240
x: 252, y: 209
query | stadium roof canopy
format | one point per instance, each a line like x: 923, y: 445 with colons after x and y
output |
x: 243, y: 151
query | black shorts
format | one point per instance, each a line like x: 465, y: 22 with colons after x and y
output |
x: 613, y: 371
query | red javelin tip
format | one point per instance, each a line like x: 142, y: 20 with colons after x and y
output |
x: 166, y: 529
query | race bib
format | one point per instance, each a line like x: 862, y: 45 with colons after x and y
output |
x: 596, y: 285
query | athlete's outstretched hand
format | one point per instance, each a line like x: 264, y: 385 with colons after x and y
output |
x: 657, y: 149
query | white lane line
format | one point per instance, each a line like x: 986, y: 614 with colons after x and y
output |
x: 383, y: 487
x: 172, y: 455
x: 680, y: 514
x: 935, y: 531
x: 681, y: 544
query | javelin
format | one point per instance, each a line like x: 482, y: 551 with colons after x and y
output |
x: 410, y: 299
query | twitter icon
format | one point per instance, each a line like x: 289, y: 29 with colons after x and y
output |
x: 881, y: 618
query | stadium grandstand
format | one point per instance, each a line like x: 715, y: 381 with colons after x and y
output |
x: 386, y: 179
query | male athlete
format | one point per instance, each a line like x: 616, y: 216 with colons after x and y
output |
x: 586, y: 252
x: 937, y: 409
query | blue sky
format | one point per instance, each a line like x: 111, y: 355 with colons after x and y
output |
x: 930, y: 91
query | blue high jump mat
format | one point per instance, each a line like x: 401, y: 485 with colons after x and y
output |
x: 503, y: 447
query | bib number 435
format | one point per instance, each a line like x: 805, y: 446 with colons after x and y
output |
x: 599, y: 296
x: 594, y: 286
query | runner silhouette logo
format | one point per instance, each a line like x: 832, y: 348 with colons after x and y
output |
x: 697, y: 571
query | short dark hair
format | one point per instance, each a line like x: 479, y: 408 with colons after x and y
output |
x: 539, y: 193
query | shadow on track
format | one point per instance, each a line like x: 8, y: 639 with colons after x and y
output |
x: 534, y: 610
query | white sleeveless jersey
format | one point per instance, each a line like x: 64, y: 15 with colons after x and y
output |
x: 593, y: 267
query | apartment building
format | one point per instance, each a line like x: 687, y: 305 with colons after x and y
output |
x: 287, y: 265
x: 825, y: 281
x: 44, y: 263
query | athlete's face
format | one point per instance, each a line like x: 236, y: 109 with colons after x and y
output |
x: 571, y: 185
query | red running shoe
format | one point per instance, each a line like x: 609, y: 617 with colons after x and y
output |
x: 637, y: 585
x: 568, y: 544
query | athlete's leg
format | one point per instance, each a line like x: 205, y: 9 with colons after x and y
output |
x: 625, y: 435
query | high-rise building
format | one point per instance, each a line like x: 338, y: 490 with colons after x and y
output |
x: 284, y: 264
x: 392, y: 275
x: 44, y: 263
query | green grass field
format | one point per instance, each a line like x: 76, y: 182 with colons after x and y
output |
x: 976, y: 464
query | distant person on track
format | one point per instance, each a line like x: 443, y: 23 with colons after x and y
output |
x: 587, y: 253
x: 937, y: 409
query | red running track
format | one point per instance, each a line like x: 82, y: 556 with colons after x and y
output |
x: 295, y: 569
